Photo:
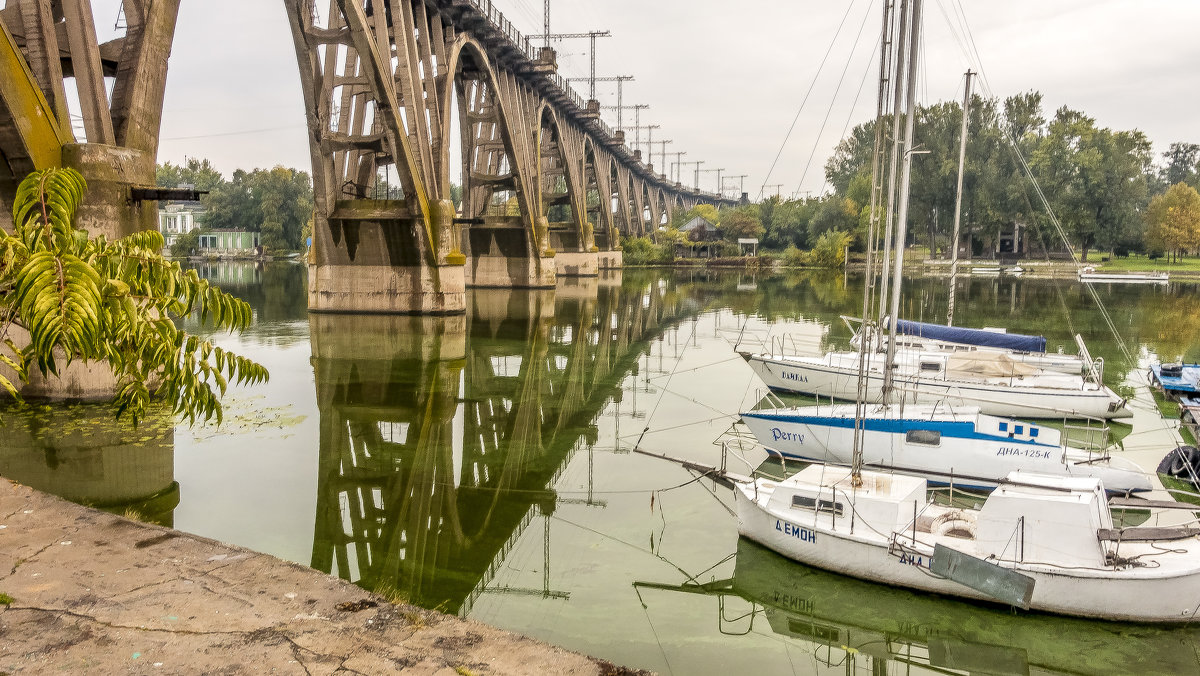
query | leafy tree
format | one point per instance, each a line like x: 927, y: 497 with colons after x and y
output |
x: 277, y: 203
x: 706, y: 211
x: 786, y: 222
x: 231, y: 205
x: 1181, y: 160
x: 1093, y: 177
x: 186, y: 244
x: 199, y: 173
x: 83, y: 297
x: 830, y: 249
x: 284, y: 198
x: 852, y: 156
x: 834, y: 213
x: 1173, y: 219
x: 742, y: 221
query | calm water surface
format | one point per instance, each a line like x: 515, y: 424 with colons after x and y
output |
x: 482, y: 466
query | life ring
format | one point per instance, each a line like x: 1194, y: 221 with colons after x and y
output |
x: 954, y: 524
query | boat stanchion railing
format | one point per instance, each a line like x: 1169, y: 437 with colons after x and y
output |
x: 739, y: 454
x: 722, y: 621
x: 1094, y: 437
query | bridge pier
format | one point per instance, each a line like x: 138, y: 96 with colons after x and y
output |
x: 577, y: 263
x: 610, y: 260
x: 500, y: 254
x: 369, y: 259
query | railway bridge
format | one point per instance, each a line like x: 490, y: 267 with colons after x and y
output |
x: 391, y: 87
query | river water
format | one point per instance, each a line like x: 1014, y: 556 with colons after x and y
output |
x: 481, y: 465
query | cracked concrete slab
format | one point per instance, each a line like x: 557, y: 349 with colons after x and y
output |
x: 96, y: 593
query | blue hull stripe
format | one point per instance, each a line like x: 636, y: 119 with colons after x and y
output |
x: 953, y: 430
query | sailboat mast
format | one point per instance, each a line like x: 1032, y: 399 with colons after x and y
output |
x: 962, y: 159
x: 867, y: 338
x: 914, y: 49
x: 885, y: 71
x: 893, y: 163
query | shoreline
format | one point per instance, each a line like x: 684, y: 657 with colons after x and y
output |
x: 929, y: 268
x: 85, y: 590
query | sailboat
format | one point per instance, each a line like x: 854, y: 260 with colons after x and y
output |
x: 944, y: 444
x: 1038, y: 541
x: 1003, y: 374
x: 947, y: 442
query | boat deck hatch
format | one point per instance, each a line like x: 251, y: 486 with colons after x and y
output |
x: 805, y: 502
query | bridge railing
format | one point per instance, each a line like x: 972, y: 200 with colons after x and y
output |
x: 496, y: 17
x: 522, y: 43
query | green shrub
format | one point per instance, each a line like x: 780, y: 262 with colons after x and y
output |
x: 830, y: 250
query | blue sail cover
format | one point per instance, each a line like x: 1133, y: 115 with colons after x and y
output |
x: 954, y: 334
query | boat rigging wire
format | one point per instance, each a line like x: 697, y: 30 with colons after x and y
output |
x: 1027, y: 172
x: 850, y: 114
x: 833, y: 99
x: 804, y: 101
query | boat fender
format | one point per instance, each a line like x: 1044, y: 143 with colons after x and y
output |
x: 1181, y: 463
x: 954, y: 524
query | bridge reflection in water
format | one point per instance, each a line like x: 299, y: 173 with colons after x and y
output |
x: 442, y: 437
x: 79, y: 452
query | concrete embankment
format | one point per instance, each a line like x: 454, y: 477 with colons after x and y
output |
x: 89, y: 592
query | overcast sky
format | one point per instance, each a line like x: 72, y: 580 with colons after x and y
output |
x: 725, y: 80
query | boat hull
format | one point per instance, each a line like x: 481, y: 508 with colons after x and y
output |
x: 964, y: 454
x: 802, y: 375
x: 867, y: 556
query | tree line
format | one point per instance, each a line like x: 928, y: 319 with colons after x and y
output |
x: 277, y: 202
x: 1102, y: 186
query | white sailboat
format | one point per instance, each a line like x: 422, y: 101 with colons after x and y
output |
x: 1003, y: 374
x: 995, y: 381
x: 1025, y: 349
x: 1038, y: 541
x: 943, y: 444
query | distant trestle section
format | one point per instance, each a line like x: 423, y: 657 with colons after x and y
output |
x: 548, y: 189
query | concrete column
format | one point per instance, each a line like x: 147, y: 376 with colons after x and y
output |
x: 111, y: 171
x: 369, y: 259
x: 610, y: 260
x: 577, y: 263
x: 507, y: 259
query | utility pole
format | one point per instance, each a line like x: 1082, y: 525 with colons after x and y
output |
x: 649, y: 136
x: 619, y: 79
x: 709, y: 171
x: 636, y: 108
x: 697, y: 163
x: 777, y: 186
x: 662, y: 166
x: 962, y: 159
x: 741, y: 178
x: 592, y: 54
x: 678, y: 163
x: 546, y: 23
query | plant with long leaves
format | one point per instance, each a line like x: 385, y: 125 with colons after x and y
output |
x: 84, y: 298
